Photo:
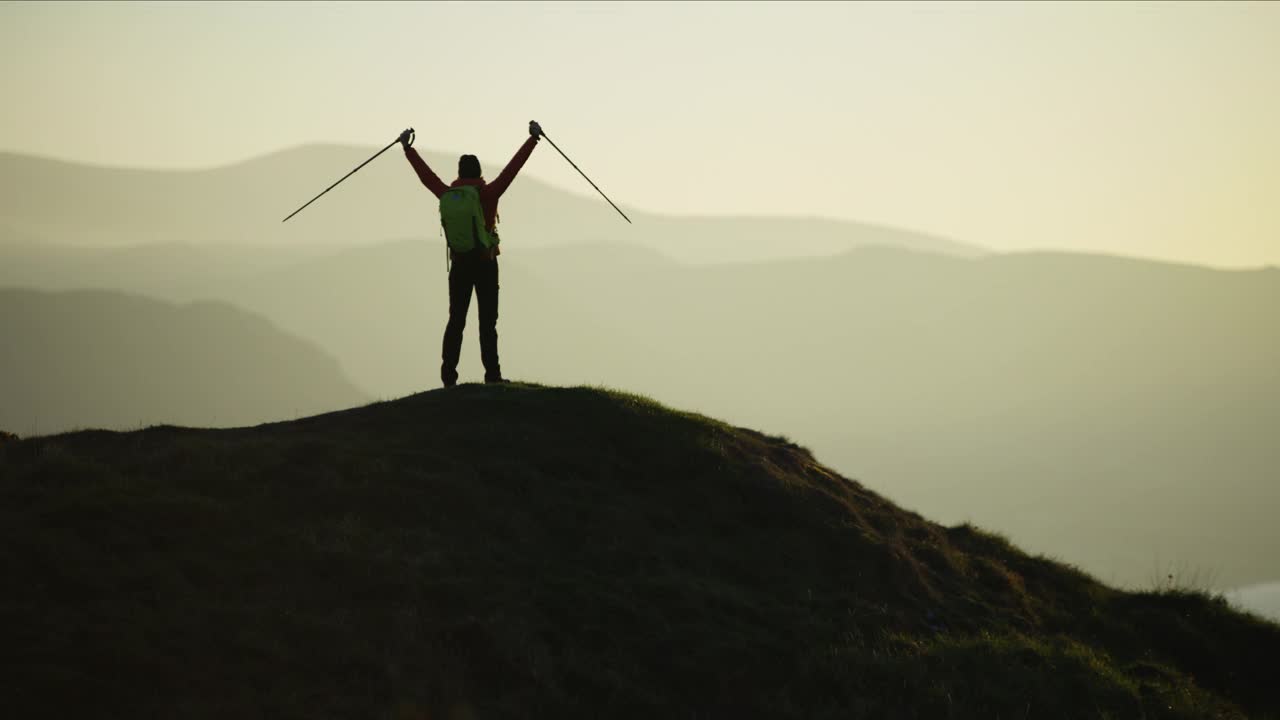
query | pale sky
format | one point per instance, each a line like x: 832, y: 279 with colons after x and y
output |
x: 1145, y: 129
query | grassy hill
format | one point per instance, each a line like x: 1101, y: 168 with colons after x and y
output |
x: 524, y: 551
x: 109, y: 359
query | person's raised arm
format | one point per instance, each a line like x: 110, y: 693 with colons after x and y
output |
x: 503, y: 181
x: 428, y: 178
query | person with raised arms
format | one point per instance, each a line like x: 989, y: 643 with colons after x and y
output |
x: 469, y: 216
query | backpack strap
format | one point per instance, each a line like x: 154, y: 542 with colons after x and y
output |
x: 447, y: 255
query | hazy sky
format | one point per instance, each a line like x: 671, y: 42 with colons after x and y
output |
x: 1138, y: 129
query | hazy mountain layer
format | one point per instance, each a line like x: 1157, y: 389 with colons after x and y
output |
x: 521, y: 552
x: 106, y: 360
x: 49, y: 201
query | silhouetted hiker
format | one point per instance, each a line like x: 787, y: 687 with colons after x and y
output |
x: 470, y: 218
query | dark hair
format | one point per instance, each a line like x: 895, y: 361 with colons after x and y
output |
x: 468, y: 166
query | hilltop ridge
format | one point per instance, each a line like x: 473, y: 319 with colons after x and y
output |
x: 516, y: 551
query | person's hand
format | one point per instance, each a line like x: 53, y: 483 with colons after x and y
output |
x: 406, y: 138
x: 535, y: 129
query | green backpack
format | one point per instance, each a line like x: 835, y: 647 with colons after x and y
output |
x: 462, y: 218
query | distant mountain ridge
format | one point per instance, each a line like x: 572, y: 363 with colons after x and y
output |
x: 95, y: 359
x: 61, y: 202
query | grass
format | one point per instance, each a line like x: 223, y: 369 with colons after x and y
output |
x: 517, y: 551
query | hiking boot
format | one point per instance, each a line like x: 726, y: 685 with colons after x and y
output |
x: 499, y: 379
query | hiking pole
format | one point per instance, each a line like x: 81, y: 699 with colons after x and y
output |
x: 584, y: 175
x: 353, y: 172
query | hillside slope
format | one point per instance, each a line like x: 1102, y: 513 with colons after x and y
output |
x: 521, y: 551
x: 107, y: 359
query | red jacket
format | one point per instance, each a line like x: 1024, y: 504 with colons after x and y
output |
x: 489, y: 192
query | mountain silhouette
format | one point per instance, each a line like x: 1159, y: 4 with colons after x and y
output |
x: 56, y: 202
x: 517, y: 551
x: 106, y: 359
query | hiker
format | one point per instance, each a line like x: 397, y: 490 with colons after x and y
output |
x: 470, y: 219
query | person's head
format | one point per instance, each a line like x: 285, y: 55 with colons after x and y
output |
x: 468, y: 167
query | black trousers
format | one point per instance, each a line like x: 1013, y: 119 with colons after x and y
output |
x: 472, y: 271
